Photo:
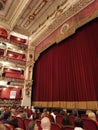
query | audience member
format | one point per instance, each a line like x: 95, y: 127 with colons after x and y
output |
x: 88, y: 111
x: 75, y: 112
x: 66, y: 120
x: 92, y: 116
x: 1, y: 112
x: 96, y: 112
x: 7, y: 119
x: 32, y: 126
x: 14, y: 110
x: 45, y: 113
x: 45, y: 123
x: 2, y: 127
x: 53, y: 115
x: 63, y: 112
x: 78, y: 124
x: 35, y: 116
x: 22, y: 113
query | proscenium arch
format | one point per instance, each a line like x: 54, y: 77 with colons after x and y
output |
x: 76, y: 104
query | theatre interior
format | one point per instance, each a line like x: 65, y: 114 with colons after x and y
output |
x: 49, y: 53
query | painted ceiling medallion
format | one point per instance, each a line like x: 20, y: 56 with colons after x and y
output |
x: 64, y: 28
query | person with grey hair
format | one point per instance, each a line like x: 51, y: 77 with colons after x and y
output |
x: 45, y: 123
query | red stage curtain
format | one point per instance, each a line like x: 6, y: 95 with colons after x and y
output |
x: 68, y: 71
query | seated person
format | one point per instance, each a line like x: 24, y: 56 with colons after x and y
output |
x: 45, y: 123
x: 78, y: 124
x: 92, y: 116
x: 75, y: 112
x: 2, y: 127
x: 32, y: 126
x: 22, y: 113
x: 66, y: 120
x: 45, y: 113
x: 7, y: 119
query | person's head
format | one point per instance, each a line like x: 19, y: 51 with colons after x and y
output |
x: 88, y: 111
x: 78, y: 122
x: 65, y: 110
x: 75, y: 112
x: 92, y: 116
x: 2, y: 127
x: 45, y: 123
x: 66, y: 120
x: 1, y: 109
x: 45, y: 110
x: 96, y: 112
x: 35, y: 116
x: 32, y: 126
x: 7, y: 114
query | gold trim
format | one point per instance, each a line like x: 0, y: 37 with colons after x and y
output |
x: 68, y: 105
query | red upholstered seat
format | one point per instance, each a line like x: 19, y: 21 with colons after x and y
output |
x: 20, y: 122
x: 72, y: 118
x: 39, y: 124
x: 68, y: 127
x: 89, y: 124
x: 55, y: 126
x: 59, y: 119
x: 51, y: 118
x: 84, y: 116
x: 26, y: 122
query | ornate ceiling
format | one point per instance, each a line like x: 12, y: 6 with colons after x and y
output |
x: 38, y: 19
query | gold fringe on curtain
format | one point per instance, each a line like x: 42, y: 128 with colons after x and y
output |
x: 68, y: 105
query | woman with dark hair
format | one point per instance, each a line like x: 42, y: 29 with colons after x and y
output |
x: 66, y: 120
x: 7, y: 119
x: 78, y: 124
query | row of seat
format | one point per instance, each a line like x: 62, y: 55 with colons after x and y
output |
x: 9, y: 127
x: 87, y: 123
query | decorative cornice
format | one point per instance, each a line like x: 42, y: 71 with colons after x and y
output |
x: 71, y: 26
x: 30, y: 63
x: 72, y: 11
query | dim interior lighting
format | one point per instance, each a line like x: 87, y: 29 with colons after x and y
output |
x: 21, y: 71
x: 3, y: 83
x: 23, y: 56
x: 18, y: 39
x: 3, y: 74
x: 19, y: 35
x: 10, y: 55
x: 4, y: 89
x: 5, y: 63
